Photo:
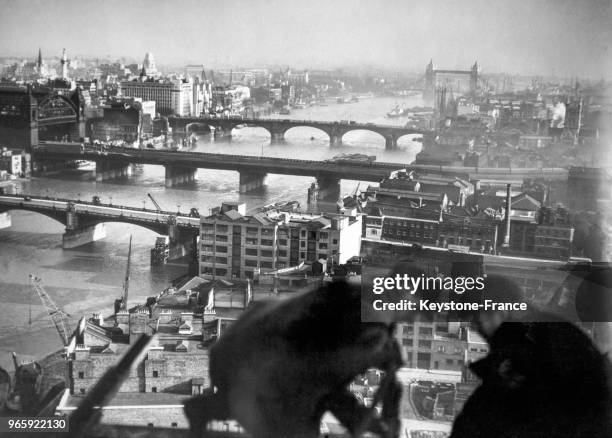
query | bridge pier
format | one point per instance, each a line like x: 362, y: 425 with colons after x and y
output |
x: 250, y: 180
x: 179, y: 175
x: 73, y: 238
x: 277, y: 136
x: 5, y: 220
x: 335, y: 139
x: 390, y: 142
x: 107, y: 170
x: 221, y: 132
x: 327, y: 189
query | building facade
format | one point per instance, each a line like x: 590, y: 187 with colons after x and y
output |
x: 236, y: 245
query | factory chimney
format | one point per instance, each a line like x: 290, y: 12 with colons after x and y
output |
x: 506, y: 243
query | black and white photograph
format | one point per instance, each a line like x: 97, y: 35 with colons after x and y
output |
x: 304, y: 219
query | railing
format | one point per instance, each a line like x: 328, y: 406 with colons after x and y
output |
x: 32, y: 201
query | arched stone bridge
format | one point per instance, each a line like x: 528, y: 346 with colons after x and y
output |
x: 277, y: 128
x: 85, y: 221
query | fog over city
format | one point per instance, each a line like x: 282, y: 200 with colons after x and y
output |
x: 560, y: 37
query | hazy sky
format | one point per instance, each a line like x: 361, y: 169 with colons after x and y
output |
x: 567, y: 37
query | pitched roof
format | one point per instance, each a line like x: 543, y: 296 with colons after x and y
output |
x: 525, y: 202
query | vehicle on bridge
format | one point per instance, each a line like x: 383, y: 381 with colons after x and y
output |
x: 352, y: 159
x: 59, y: 146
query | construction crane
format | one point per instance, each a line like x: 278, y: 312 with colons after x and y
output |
x: 126, y: 280
x: 154, y: 202
x: 57, y: 315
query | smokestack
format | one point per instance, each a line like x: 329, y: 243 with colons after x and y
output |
x: 476, y: 183
x: 506, y: 243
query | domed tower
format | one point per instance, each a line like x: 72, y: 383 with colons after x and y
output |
x: 148, y: 65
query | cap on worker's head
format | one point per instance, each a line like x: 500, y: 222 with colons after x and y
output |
x: 594, y: 296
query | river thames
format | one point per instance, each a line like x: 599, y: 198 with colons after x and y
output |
x: 89, y: 278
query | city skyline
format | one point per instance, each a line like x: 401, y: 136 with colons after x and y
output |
x: 514, y: 37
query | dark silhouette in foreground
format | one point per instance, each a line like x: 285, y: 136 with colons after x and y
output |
x: 539, y: 380
x: 283, y: 364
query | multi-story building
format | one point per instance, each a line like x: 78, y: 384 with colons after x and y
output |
x: 237, y: 245
x: 170, y: 96
x: 433, y: 345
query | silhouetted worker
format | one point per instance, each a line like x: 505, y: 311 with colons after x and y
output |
x: 283, y: 364
x: 540, y: 379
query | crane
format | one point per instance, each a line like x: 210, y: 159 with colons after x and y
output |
x: 126, y: 281
x: 154, y: 202
x: 57, y: 315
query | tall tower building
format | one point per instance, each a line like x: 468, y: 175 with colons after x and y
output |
x: 64, y: 63
x: 39, y: 62
x: 474, y: 72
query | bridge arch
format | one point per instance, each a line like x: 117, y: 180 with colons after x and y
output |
x: 197, y: 128
x: 313, y: 130
x: 359, y: 132
x: 58, y: 216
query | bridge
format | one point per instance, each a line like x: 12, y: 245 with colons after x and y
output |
x: 433, y: 76
x: 85, y: 221
x: 182, y: 166
x: 277, y: 128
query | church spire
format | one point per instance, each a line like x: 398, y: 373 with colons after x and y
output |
x: 39, y: 61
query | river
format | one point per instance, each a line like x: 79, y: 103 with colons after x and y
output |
x: 89, y: 278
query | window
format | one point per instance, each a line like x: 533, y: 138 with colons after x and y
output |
x: 266, y: 253
x: 282, y: 242
x: 222, y: 260
x: 302, y: 244
x: 282, y: 253
x: 221, y: 272
x: 449, y: 361
x: 266, y: 265
x: 302, y: 255
x: 303, y: 233
x: 251, y: 241
x: 222, y: 228
x: 251, y: 230
x: 251, y: 263
x: 322, y: 245
x: 219, y: 248
x: 424, y: 344
x: 155, y: 373
x: 407, y: 341
x: 428, y: 331
x: 441, y: 349
x: 250, y: 251
x: 335, y: 241
x: 220, y: 238
x: 323, y: 235
x: 267, y: 242
x: 81, y: 375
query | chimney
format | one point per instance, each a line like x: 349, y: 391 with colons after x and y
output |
x: 476, y: 199
x: 506, y: 243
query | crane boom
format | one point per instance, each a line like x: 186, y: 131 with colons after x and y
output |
x: 126, y: 281
x: 57, y: 315
x: 154, y: 202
